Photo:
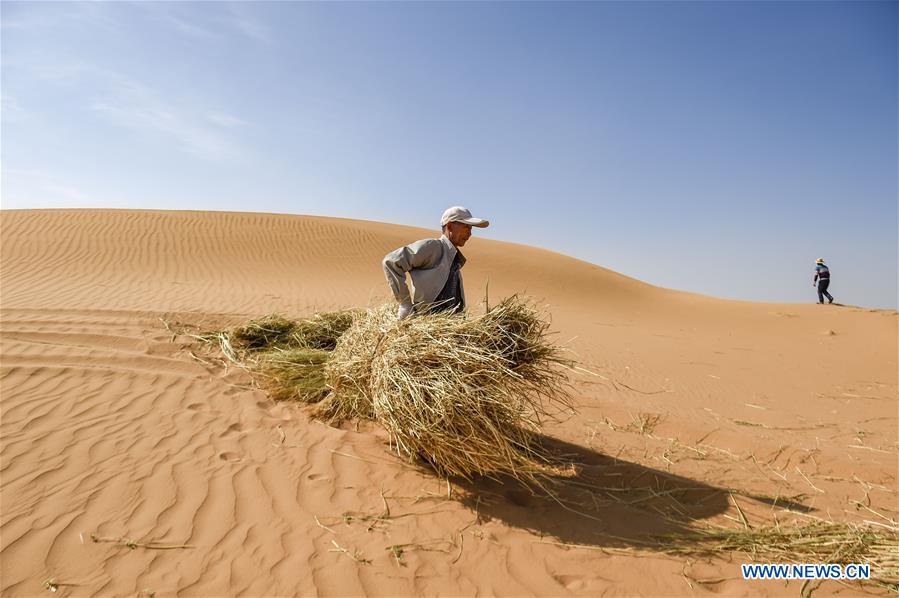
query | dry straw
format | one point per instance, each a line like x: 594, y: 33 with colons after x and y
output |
x: 464, y: 393
x: 320, y: 332
x: 288, y: 355
x: 817, y: 542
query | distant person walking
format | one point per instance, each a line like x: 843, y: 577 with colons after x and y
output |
x: 822, y: 279
x: 434, y: 265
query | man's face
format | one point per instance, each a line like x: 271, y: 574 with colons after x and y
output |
x: 458, y: 233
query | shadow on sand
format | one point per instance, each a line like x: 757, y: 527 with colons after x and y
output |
x: 609, y: 503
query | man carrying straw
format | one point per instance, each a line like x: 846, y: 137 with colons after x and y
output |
x: 434, y: 265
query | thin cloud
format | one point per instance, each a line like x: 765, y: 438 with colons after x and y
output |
x: 147, y: 117
x: 169, y: 14
x: 225, y: 120
x: 131, y: 105
x: 247, y: 25
x: 208, y: 24
x: 188, y: 28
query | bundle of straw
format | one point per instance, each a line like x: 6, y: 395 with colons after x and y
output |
x: 466, y: 394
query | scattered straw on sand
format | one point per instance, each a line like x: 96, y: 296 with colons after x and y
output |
x: 816, y: 542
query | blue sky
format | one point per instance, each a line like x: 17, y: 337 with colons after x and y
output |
x: 711, y: 147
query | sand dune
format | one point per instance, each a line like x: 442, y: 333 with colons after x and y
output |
x: 111, y: 427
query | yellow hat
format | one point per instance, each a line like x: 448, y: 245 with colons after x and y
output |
x: 820, y: 260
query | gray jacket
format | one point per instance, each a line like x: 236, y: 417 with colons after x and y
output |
x: 428, y: 262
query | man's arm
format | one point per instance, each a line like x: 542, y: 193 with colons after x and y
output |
x: 421, y: 254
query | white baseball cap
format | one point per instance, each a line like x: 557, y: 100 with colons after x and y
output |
x: 463, y: 215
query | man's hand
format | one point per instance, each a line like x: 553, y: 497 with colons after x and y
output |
x: 404, y: 311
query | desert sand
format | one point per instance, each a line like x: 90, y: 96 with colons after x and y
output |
x: 114, y: 427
